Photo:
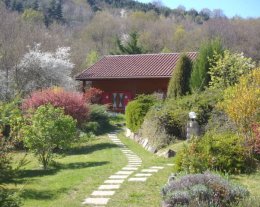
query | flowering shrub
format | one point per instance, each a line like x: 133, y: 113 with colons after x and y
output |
x: 241, y: 101
x: 73, y: 103
x: 198, y: 189
x: 226, y: 69
x: 39, y: 69
x: 93, y: 95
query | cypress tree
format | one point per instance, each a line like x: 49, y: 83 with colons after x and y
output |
x: 200, y: 77
x: 179, y: 82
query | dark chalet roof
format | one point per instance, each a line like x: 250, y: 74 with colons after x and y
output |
x: 133, y: 66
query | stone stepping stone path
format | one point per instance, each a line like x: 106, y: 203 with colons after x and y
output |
x: 145, y: 173
x: 101, y: 196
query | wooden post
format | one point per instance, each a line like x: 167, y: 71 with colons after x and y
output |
x: 83, y: 86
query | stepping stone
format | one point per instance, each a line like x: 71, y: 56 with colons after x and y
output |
x: 131, y: 159
x: 156, y: 167
x: 137, y: 179
x: 143, y: 174
x: 150, y: 170
x: 124, y: 172
x: 170, y: 164
x: 108, y: 187
x: 114, y: 181
x: 96, y: 201
x: 103, y: 193
x: 133, y: 165
x: 135, y: 162
x: 130, y: 168
x: 118, y: 176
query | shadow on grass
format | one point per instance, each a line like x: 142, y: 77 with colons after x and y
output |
x: 57, y: 167
x: 89, y: 148
x: 41, y: 194
x: 107, y: 128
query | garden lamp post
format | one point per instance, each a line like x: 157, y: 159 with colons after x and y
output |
x: 192, y: 126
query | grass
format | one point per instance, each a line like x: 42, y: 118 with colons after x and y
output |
x: 142, y: 194
x: 74, y: 176
x: 251, y: 181
x: 83, y: 168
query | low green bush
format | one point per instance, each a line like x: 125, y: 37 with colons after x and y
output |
x: 167, y: 121
x: 137, y: 109
x: 225, y: 152
x: 99, y: 120
x: 8, y: 198
x: 202, y: 190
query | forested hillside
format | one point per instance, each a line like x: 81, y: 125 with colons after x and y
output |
x: 91, y: 28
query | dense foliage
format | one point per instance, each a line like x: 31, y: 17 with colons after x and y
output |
x: 98, y: 121
x: 226, y: 69
x: 10, y: 122
x: 202, y: 190
x: 48, y: 128
x: 200, y: 77
x: 8, y: 198
x: 136, y: 111
x: 170, y: 118
x: 179, y: 82
x: 241, y: 102
x: 73, y: 103
x: 93, y: 95
x: 225, y: 152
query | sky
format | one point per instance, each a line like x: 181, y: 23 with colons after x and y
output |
x: 243, y: 8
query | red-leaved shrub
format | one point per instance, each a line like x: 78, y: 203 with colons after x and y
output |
x: 256, y: 139
x: 73, y: 103
x: 93, y: 95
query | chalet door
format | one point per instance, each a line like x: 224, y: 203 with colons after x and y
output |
x: 117, y: 99
x: 120, y: 100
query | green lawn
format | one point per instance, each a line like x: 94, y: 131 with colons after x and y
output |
x: 88, y: 165
x: 76, y: 176
x: 82, y: 170
x: 252, y: 182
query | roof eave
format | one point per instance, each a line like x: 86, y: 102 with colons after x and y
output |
x: 125, y: 78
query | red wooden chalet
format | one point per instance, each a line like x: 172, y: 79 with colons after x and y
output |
x: 122, y: 77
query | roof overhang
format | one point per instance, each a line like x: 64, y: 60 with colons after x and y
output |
x: 122, y: 78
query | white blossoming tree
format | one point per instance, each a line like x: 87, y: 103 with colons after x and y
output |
x: 39, y: 69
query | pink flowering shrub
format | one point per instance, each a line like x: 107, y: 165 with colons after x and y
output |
x: 73, y: 103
